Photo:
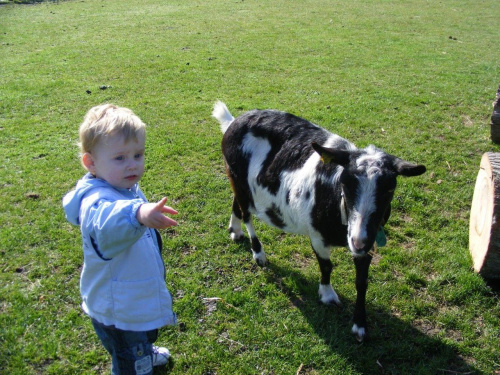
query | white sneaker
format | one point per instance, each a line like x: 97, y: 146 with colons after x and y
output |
x: 160, y: 356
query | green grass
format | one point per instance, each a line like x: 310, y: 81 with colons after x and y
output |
x: 415, y: 78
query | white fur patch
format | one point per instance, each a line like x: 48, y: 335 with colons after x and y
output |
x: 250, y: 229
x: 260, y: 258
x: 235, y: 224
x: 328, y: 295
x: 295, y: 187
x: 298, y: 186
x: 333, y: 141
x: 365, y: 204
x: 360, y: 332
x: 364, y: 207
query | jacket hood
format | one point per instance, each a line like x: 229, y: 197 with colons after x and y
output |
x: 72, y: 200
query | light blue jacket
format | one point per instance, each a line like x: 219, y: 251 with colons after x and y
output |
x: 123, y: 278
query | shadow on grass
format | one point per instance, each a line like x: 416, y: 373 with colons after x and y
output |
x: 494, y: 285
x: 393, y: 347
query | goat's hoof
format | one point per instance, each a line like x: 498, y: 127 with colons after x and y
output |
x: 331, y: 302
x: 261, y: 263
x: 260, y: 259
x: 327, y: 296
x: 359, y: 332
x: 237, y: 236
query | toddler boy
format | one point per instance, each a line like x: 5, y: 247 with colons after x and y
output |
x: 123, y: 278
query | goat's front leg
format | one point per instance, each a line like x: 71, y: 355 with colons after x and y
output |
x: 257, y: 250
x: 362, y: 265
x: 326, y: 293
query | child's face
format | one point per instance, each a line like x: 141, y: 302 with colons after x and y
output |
x: 119, y: 163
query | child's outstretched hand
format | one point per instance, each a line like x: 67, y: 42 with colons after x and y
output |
x: 152, y: 215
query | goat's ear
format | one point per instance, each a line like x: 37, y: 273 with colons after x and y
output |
x: 330, y: 155
x: 408, y: 169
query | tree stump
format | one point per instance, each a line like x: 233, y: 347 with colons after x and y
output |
x: 484, y: 228
x: 495, y: 119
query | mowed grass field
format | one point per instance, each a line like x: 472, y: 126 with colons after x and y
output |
x: 415, y: 78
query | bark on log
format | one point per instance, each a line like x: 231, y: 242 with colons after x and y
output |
x: 484, y: 228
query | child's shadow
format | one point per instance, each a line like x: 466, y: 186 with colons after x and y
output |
x: 164, y: 370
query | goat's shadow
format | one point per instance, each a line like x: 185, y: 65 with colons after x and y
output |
x: 393, y: 346
x: 494, y: 285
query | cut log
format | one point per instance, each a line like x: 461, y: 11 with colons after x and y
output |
x: 484, y: 228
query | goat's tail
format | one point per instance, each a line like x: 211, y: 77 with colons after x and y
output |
x: 222, y: 114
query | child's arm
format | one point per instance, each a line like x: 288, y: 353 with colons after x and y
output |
x: 152, y: 215
x: 113, y: 225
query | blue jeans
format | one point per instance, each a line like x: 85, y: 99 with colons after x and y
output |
x: 131, y: 352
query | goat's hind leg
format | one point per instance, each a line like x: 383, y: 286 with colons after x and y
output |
x: 257, y: 250
x: 238, y: 214
x: 235, y: 230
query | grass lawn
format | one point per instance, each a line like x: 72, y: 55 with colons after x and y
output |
x: 415, y: 78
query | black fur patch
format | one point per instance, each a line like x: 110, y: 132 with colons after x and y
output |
x: 275, y: 216
x: 325, y: 214
x: 256, y: 245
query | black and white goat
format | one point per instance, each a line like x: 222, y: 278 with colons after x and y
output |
x: 302, y: 179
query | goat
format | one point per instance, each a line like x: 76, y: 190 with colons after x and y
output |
x: 300, y: 178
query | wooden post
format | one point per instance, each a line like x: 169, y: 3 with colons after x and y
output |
x: 484, y: 228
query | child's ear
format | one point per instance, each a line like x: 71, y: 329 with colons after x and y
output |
x: 88, y: 162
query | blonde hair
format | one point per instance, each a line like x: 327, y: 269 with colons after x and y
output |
x: 109, y: 120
